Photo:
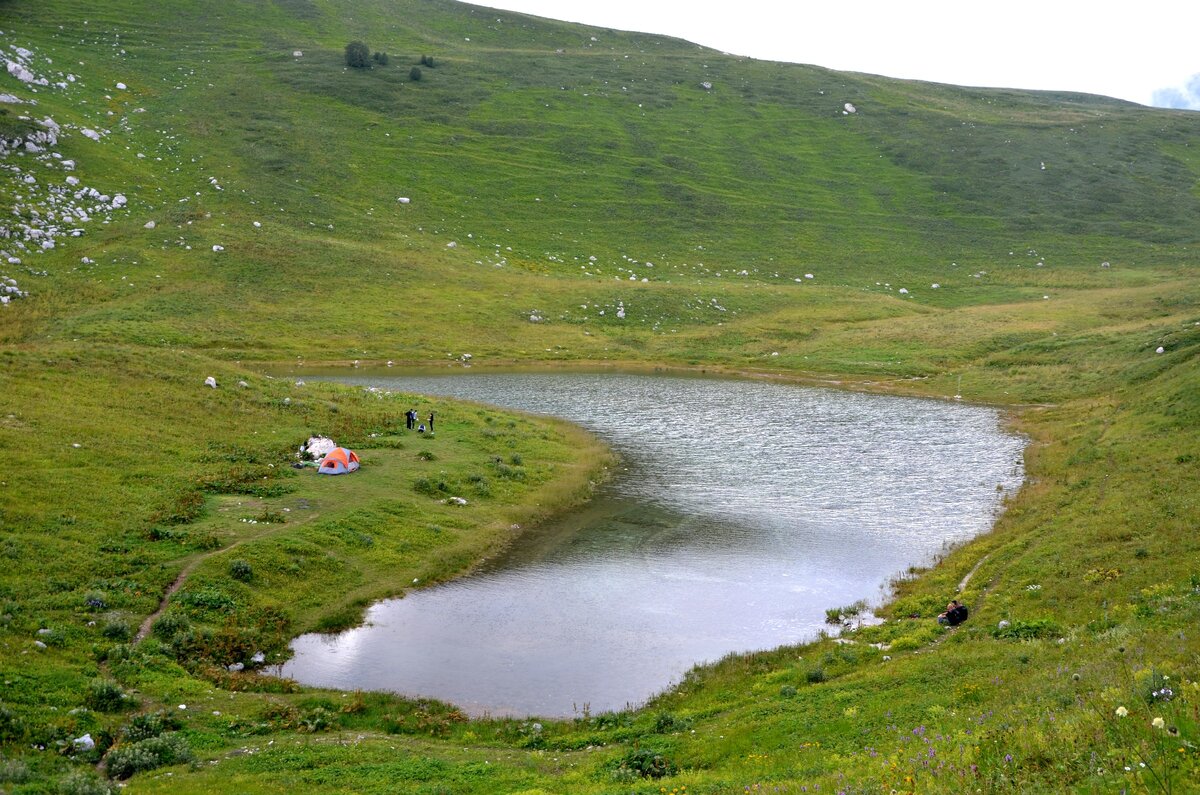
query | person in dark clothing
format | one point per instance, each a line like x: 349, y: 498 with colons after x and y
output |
x: 410, y: 419
x: 431, y: 422
x: 955, y: 614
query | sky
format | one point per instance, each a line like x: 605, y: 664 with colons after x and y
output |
x: 1145, y: 51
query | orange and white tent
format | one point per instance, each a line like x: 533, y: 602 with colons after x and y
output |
x: 338, y: 461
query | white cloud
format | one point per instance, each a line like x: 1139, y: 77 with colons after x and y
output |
x: 1185, y: 98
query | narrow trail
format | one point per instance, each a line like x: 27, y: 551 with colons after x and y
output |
x: 963, y: 583
x: 144, y: 629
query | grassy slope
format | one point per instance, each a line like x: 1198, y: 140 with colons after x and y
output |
x: 532, y: 162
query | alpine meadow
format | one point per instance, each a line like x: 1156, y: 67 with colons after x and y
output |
x: 196, y: 190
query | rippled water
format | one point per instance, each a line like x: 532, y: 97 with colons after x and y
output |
x: 742, y: 510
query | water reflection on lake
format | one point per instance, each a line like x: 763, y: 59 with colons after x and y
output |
x: 741, y: 511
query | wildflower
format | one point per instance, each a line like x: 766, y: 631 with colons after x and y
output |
x: 1122, y: 712
x: 1158, y: 723
x: 1007, y: 758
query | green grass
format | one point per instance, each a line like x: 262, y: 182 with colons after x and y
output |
x: 558, y: 176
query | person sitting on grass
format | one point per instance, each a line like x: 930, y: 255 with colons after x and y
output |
x: 955, y: 614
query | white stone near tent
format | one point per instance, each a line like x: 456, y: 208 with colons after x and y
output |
x: 210, y: 382
x: 317, y: 447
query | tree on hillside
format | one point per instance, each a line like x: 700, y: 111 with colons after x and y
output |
x: 358, y: 55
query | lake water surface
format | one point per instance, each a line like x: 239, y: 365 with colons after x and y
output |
x: 740, y: 512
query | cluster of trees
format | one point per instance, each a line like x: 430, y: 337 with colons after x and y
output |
x: 359, y: 56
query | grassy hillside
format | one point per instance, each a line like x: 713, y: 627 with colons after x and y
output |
x: 216, y: 191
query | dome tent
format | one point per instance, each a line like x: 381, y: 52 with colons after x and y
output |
x: 338, y: 461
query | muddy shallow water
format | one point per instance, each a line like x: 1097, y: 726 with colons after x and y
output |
x: 741, y: 511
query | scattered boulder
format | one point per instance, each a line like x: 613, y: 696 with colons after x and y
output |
x: 317, y: 447
x: 1160, y: 349
x: 150, y: 225
x: 210, y: 382
x: 84, y: 743
x: 849, y: 108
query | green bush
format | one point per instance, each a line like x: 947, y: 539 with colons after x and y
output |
x: 107, y: 696
x: 117, y: 629
x: 645, y: 763
x: 1027, y: 630
x: 147, y: 725
x: 815, y: 675
x: 82, y: 782
x: 241, y: 570
x: 380, y: 58
x: 170, y: 625
x: 12, y: 728
x: 167, y: 749
x: 414, y: 74
x: 358, y: 55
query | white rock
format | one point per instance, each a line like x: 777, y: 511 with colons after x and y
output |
x: 808, y: 276
x: 257, y: 224
x: 210, y: 382
x: 451, y: 244
x: 904, y: 291
x: 89, y: 133
x: 934, y: 286
x: 68, y: 165
x: 218, y: 248
x: 707, y: 86
x: 297, y: 53
x: 150, y: 225
x: 404, y: 200
x: 243, y: 384
x: 1003, y: 624
x: 84, y: 743
x: 258, y: 657
x: 849, y: 108
x: 1159, y: 349
x: 121, y: 86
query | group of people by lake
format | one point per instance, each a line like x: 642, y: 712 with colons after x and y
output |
x: 412, y: 421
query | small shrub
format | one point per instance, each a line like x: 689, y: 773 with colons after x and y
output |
x: 516, y: 460
x: 167, y: 749
x: 82, y: 782
x: 787, y: 691
x: 241, y: 570
x: 316, y: 720
x: 117, y: 629
x: 170, y: 625
x: 645, y: 763
x: 107, y: 696
x: 815, y: 675
x: 667, y: 722
x: 426, y: 455
x: 427, y: 60
x: 358, y: 55
x: 147, y: 725
x: 431, y: 487
x: 12, y: 728
x: 271, y: 517
x: 414, y: 74
x: 13, y: 771
x: 380, y: 58
x: 207, y: 597
x: 1026, y: 630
